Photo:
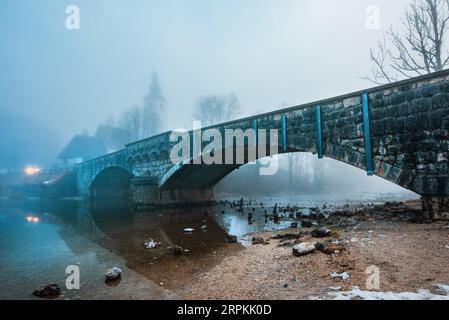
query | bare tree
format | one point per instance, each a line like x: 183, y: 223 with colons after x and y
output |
x: 419, y: 48
x: 131, y: 122
x: 211, y: 110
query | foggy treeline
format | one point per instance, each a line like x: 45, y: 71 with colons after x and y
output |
x: 303, y: 173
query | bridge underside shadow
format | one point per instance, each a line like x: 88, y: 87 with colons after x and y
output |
x: 112, y: 185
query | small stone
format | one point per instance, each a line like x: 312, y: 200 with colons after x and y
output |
x: 303, y: 249
x: 320, y: 246
x: 321, y: 233
x: 113, y: 273
x: 177, y: 250
x: 306, y: 223
x: 231, y: 239
x: 258, y: 240
x: 48, y: 291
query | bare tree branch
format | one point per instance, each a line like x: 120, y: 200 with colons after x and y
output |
x: 419, y: 48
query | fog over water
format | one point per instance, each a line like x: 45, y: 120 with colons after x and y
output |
x: 55, y: 83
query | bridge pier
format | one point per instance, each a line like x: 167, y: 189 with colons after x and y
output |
x: 146, y: 192
x: 435, y: 208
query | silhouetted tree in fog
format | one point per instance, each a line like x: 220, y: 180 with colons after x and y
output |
x: 214, y: 109
x: 131, y: 122
x: 419, y: 48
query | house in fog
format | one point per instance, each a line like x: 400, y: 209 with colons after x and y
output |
x: 82, y: 148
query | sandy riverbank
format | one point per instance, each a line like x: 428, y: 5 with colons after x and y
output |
x: 410, y: 255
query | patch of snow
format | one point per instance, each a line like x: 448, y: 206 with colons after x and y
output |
x: 421, y: 294
x: 344, y: 275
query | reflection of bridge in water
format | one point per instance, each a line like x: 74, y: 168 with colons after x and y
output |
x: 398, y: 132
x: 124, y: 231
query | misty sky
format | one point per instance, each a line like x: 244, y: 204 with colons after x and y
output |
x: 55, y: 83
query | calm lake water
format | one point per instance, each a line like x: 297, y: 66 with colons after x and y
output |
x: 38, y: 240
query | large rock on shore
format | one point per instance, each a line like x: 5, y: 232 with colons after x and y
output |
x: 303, y: 249
x: 113, y: 273
x: 48, y: 291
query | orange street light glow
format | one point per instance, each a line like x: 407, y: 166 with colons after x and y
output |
x: 32, y: 170
x: 32, y: 219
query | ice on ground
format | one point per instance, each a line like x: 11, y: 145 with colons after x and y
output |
x: 421, y: 294
x: 343, y: 276
x: 444, y: 288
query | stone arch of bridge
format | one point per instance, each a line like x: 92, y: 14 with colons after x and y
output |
x: 111, y: 182
x: 187, y: 175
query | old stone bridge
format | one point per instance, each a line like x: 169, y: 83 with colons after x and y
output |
x: 398, y: 132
